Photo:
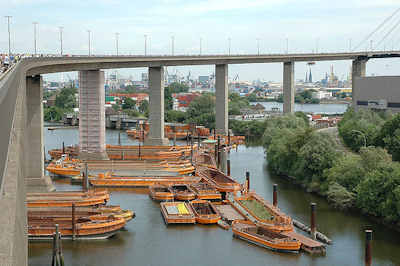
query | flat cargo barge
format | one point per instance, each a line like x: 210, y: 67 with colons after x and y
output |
x: 218, y: 179
x: 177, y: 213
x: 161, y: 193
x: 204, y: 191
x: 204, y: 212
x: 143, y: 181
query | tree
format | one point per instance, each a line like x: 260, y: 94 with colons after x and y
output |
x: 175, y: 116
x: 129, y: 103
x: 174, y: 87
x: 66, y: 98
x: 144, y: 107
x: 201, y: 111
x: 389, y: 137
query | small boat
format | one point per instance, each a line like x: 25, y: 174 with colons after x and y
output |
x: 66, y: 199
x: 177, y: 213
x: 265, y: 213
x: 205, y: 191
x: 218, y: 179
x: 64, y: 167
x: 161, y: 193
x: 183, y: 192
x: 205, y: 213
x: 94, y: 227
x: 263, y: 237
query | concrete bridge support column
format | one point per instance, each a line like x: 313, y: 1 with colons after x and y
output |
x: 358, y: 70
x: 221, y: 93
x: 34, y: 127
x: 288, y: 87
x: 35, y: 179
x: 156, y: 115
x: 92, y: 115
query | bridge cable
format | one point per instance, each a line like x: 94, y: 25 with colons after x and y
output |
x: 376, y: 29
x: 388, y: 33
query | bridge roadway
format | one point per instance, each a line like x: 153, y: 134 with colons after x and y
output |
x: 21, y: 135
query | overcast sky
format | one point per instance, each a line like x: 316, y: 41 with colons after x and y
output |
x: 308, y: 24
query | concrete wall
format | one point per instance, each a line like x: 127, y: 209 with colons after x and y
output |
x: 386, y: 88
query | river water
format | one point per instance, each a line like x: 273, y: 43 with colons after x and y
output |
x: 148, y: 241
x: 329, y: 109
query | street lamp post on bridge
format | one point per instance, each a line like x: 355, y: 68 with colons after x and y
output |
x: 34, y: 36
x: 9, y: 34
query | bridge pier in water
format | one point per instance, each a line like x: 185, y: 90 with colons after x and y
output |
x: 35, y: 179
x: 92, y: 115
x: 156, y: 107
x: 221, y: 93
x: 358, y: 69
x: 288, y: 87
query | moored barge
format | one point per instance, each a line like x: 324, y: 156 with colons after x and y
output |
x: 177, y: 213
x: 67, y: 198
x: 183, y: 192
x: 204, y: 212
x: 263, y: 237
x: 161, y: 193
x: 205, y: 191
x: 218, y: 179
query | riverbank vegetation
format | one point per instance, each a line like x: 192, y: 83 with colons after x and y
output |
x: 64, y: 102
x: 367, y: 180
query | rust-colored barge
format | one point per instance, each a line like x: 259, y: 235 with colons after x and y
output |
x: 218, y: 179
x: 183, y: 192
x: 67, y: 198
x: 161, y: 193
x: 205, y: 191
x: 263, y: 237
x: 204, y: 212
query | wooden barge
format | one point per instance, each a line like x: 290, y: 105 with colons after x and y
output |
x: 204, y: 191
x: 264, y: 212
x: 205, y: 159
x: 177, y: 213
x: 218, y: 179
x: 144, y: 181
x: 66, y: 199
x: 183, y: 192
x: 66, y: 212
x: 64, y: 167
x: 161, y: 193
x: 204, y: 212
x: 94, y: 227
x: 263, y: 237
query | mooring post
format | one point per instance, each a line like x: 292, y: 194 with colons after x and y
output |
x: 73, y: 221
x: 313, y: 224
x: 53, y: 259
x: 86, y: 178
x: 119, y: 138
x: 215, y: 152
x: 140, y: 155
x: 229, y: 138
x: 174, y: 139
x: 187, y: 138
x: 219, y: 164
x: 198, y: 141
x: 248, y: 180
x: 215, y: 134
x: 368, y: 251
x: 60, y: 255
x: 228, y: 167
x: 275, y: 195
x: 63, y: 148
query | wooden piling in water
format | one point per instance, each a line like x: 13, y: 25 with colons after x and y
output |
x: 313, y: 224
x: 119, y: 138
x: 86, y: 178
x: 63, y: 148
x: 248, y: 180
x: 73, y: 222
x: 368, y: 254
x: 228, y: 167
x: 54, y: 253
x: 275, y: 195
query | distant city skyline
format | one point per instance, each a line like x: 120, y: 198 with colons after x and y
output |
x: 222, y: 25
